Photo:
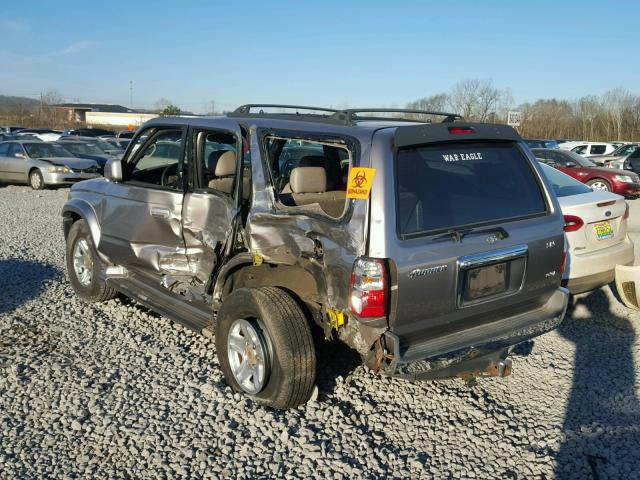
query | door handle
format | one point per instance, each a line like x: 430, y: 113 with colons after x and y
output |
x: 160, y: 212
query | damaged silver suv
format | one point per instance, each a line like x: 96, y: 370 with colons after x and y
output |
x: 430, y: 247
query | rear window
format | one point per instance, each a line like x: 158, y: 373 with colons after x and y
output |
x: 454, y: 186
x: 563, y: 185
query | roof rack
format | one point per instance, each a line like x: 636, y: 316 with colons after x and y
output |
x: 351, y: 114
x: 347, y: 116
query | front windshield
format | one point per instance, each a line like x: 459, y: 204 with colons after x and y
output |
x: 624, y: 150
x: 84, y: 148
x: 42, y: 150
x: 580, y: 160
x: 103, y: 145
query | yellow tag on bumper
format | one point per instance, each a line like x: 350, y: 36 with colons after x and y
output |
x: 360, y: 181
x: 336, y: 318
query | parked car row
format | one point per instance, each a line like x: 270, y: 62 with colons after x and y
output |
x: 70, y: 158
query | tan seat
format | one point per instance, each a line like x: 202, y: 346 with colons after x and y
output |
x: 225, y: 173
x: 308, y: 185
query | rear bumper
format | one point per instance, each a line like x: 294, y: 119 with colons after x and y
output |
x: 423, y: 360
x: 598, y: 264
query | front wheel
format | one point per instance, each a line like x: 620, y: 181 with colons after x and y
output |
x: 265, y: 347
x: 599, y: 184
x: 35, y: 180
x: 83, y: 265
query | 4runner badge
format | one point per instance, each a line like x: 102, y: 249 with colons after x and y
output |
x: 360, y: 180
x: 422, y: 272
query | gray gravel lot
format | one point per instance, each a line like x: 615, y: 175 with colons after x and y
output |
x: 115, y: 391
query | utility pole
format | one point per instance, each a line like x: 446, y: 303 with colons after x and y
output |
x: 131, y: 94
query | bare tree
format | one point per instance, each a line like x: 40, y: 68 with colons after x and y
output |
x: 618, y: 101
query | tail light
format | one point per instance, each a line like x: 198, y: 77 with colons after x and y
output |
x: 572, y: 223
x: 369, y: 297
x: 626, y: 211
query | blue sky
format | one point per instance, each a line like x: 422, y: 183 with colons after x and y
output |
x: 338, y: 53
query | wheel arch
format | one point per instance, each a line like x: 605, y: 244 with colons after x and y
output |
x: 76, y: 209
x: 241, y: 272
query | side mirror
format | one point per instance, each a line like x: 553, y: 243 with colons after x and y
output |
x: 570, y: 164
x: 20, y: 155
x: 113, y: 170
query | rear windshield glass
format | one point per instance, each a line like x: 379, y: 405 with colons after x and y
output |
x: 563, y: 185
x: 452, y: 186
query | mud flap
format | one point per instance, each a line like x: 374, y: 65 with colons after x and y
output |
x: 628, y: 285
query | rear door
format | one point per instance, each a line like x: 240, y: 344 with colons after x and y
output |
x: 15, y: 163
x: 4, y: 151
x: 211, y: 203
x: 142, y: 215
x: 476, y: 236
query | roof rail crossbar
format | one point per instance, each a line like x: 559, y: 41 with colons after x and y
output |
x: 246, y: 109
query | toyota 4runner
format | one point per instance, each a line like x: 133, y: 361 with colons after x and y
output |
x: 431, y: 248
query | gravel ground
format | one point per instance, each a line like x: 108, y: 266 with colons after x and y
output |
x: 115, y: 391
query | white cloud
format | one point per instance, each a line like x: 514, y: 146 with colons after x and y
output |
x: 75, y: 47
x: 13, y: 25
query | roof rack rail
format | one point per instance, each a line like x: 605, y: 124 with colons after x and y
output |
x: 246, y: 109
x: 351, y: 114
x: 347, y: 116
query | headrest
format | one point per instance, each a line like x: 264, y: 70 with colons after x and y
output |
x: 312, y: 161
x: 226, y: 165
x: 308, y: 180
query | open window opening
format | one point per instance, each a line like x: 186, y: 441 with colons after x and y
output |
x: 308, y: 175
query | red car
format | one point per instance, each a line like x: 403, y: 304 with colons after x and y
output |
x: 622, y: 182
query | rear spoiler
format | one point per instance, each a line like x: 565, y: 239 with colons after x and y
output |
x: 447, y: 132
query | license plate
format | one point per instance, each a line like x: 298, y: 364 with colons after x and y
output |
x: 485, y: 281
x: 604, y: 230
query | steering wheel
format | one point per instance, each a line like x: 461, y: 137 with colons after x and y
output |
x: 166, y: 179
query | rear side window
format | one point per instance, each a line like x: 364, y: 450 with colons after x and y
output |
x: 460, y: 186
x: 598, y: 149
x: 564, y: 185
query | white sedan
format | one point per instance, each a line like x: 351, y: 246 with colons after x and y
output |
x: 595, y: 231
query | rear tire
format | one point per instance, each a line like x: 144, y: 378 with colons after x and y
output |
x: 36, y: 181
x: 599, y: 184
x: 83, y: 265
x: 274, y: 324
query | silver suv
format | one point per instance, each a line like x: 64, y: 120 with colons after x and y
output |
x: 430, y: 248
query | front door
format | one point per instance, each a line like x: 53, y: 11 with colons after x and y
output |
x: 141, y: 216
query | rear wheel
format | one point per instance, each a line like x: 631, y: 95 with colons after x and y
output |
x: 265, y: 347
x: 35, y: 180
x: 83, y: 265
x: 599, y: 184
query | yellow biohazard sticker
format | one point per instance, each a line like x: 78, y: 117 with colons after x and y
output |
x: 360, y: 181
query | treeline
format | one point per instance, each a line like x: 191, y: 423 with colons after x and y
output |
x: 612, y: 116
x: 30, y: 112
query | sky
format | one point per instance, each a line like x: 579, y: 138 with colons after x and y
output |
x: 330, y: 53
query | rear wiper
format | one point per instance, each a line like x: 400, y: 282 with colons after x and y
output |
x: 458, y: 235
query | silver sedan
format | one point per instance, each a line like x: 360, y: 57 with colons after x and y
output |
x: 41, y: 164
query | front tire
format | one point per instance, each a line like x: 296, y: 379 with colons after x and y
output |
x: 599, y: 184
x: 265, y: 347
x: 36, y: 181
x: 83, y: 265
